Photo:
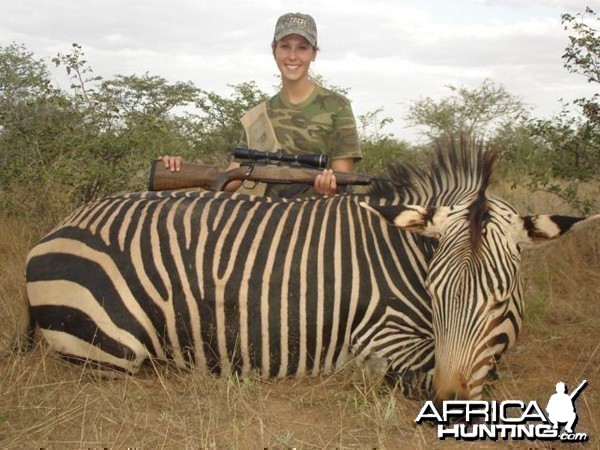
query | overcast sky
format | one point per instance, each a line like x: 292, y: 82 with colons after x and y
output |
x: 389, y: 53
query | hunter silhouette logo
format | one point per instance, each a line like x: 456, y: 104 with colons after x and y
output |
x: 509, y: 419
x: 561, y: 406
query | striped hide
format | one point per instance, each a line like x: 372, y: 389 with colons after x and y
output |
x: 423, y: 273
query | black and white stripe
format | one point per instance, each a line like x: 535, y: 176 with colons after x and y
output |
x: 230, y: 282
x: 285, y: 287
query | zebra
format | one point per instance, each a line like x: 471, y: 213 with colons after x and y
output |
x: 423, y: 274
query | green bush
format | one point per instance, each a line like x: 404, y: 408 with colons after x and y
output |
x: 61, y: 148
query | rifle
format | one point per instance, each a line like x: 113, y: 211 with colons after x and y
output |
x: 298, y: 169
x: 576, y: 392
x: 211, y: 178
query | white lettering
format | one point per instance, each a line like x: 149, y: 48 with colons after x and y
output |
x: 433, y: 415
x: 504, y: 407
x: 458, y: 413
x: 504, y: 431
x: 579, y: 437
x: 476, y: 409
x: 536, y: 414
x: 544, y: 431
x: 487, y: 431
x: 453, y: 431
x: 478, y: 419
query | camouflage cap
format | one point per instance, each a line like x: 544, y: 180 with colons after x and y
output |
x: 296, y: 23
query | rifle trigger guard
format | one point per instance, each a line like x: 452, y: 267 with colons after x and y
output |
x: 248, y: 184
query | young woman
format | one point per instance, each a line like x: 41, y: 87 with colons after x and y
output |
x: 302, y: 117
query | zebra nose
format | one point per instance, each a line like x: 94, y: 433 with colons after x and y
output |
x: 450, y: 394
x: 449, y: 388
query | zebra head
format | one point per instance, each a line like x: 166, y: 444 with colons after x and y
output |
x: 473, y: 277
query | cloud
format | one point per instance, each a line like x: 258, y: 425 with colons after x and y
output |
x: 563, y: 5
x: 387, y: 52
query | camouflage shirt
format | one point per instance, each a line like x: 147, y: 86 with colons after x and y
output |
x: 323, y: 123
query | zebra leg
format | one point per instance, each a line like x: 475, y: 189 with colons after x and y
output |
x: 25, y: 336
x: 414, y: 384
x: 80, y: 330
x: 94, y: 354
x: 376, y: 367
x: 371, y: 370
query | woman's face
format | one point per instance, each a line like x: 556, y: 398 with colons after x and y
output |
x: 293, y: 55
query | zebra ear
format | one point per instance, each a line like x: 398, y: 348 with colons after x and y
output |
x: 547, y: 226
x: 427, y: 220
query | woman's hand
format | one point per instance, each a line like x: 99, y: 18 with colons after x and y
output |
x: 325, y: 183
x: 172, y: 163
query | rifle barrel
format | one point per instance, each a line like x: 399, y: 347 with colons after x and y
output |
x: 579, y: 388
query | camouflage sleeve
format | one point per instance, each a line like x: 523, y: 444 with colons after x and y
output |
x: 345, y: 142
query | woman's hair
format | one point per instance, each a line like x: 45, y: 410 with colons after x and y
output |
x: 316, y: 48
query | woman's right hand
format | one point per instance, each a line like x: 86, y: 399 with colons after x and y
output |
x: 173, y: 163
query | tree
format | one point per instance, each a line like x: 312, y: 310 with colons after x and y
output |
x: 474, y: 113
x: 379, y: 147
x: 573, y: 137
x: 61, y: 148
x: 582, y: 56
x: 22, y: 77
x: 217, y: 125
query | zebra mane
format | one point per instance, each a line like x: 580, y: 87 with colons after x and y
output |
x: 455, y: 173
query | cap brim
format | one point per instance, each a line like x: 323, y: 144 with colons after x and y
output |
x: 311, y: 40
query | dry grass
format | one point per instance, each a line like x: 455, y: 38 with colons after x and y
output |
x: 541, y: 202
x: 46, y: 402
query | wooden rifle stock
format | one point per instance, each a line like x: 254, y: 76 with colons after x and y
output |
x: 211, y: 178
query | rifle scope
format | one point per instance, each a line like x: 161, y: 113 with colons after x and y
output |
x: 315, y: 160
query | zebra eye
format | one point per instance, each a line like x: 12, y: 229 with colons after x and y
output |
x: 500, y: 300
x: 498, y: 306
